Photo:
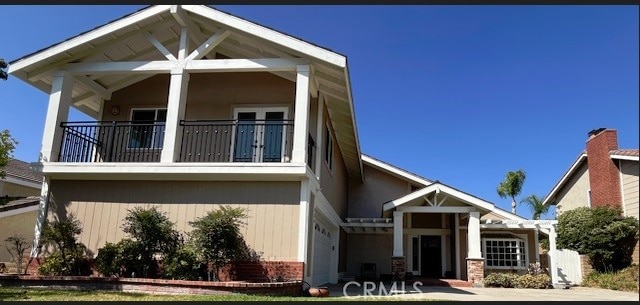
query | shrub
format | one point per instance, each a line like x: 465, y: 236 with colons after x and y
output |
x: 108, y: 260
x: 16, y: 246
x: 70, y: 256
x: 623, y: 280
x: 539, y: 281
x: 182, y: 264
x: 607, y: 238
x: 505, y: 280
x: 217, y: 236
x: 153, y: 235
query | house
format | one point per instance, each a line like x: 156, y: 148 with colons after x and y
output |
x: 194, y: 107
x: 602, y: 174
x: 19, y: 191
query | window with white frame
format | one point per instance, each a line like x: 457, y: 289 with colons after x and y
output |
x: 147, y: 128
x: 505, y: 253
x: 328, y: 149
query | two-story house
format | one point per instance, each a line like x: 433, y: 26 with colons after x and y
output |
x: 193, y: 107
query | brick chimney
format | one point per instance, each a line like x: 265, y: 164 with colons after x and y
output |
x: 604, y: 177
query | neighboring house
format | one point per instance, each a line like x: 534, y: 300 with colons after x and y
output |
x: 19, y: 191
x: 603, y: 174
x: 194, y: 108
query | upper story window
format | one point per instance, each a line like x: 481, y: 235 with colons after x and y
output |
x: 505, y: 253
x: 147, y: 127
x: 328, y: 149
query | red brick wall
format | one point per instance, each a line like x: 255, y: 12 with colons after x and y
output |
x: 604, y: 177
x: 263, y: 271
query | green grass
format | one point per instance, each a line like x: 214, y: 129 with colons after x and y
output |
x: 39, y: 294
x: 623, y: 280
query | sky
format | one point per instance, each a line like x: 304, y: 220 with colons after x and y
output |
x: 459, y: 94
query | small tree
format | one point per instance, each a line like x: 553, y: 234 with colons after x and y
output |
x: 154, y: 234
x: 601, y: 233
x: 7, y: 146
x: 16, y: 246
x: 537, y: 207
x: 511, y: 187
x: 3, y: 73
x: 70, y: 256
x: 218, y: 238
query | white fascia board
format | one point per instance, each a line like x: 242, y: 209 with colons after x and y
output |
x: 353, y: 121
x: 19, y: 211
x: 432, y: 209
x: 195, y: 66
x: 268, y: 34
x: 404, y: 199
x: 84, y: 38
x: 22, y: 182
x: 394, y: 170
x: 622, y: 157
x: 367, y: 225
x: 565, y: 177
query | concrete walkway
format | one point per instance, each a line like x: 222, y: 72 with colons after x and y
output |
x: 481, y: 294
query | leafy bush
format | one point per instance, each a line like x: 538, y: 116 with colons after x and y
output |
x: 153, y: 235
x: 182, y: 264
x: 70, y: 257
x: 539, y: 281
x: 217, y: 236
x: 120, y: 259
x: 505, y: 280
x: 623, y: 280
x: 607, y: 238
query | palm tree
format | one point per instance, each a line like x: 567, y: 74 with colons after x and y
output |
x: 511, y: 187
x: 537, y: 207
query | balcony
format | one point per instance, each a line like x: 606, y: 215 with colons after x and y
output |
x: 201, y: 141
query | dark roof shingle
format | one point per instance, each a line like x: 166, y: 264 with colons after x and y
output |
x: 21, y: 170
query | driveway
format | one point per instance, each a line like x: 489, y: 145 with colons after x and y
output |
x: 479, y: 294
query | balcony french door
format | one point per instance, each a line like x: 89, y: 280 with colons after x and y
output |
x: 259, y: 134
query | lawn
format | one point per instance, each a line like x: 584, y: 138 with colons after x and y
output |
x: 37, y: 294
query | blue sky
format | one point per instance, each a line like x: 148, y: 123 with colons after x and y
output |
x: 461, y: 94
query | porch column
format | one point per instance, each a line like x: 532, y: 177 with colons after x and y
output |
x: 301, y: 118
x: 457, y: 245
x: 553, y: 264
x: 176, y: 106
x: 475, y: 262
x: 42, y: 217
x: 398, y: 262
x: 57, y: 112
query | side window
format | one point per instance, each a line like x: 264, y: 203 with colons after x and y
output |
x: 328, y: 149
x: 147, y: 128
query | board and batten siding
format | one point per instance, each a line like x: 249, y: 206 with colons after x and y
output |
x: 101, y: 206
x: 575, y: 192
x: 629, y: 180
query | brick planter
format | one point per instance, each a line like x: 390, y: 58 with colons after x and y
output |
x: 475, y: 270
x: 152, y: 286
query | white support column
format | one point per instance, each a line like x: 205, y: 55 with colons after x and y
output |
x: 57, y: 112
x: 553, y: 264
x: 457, y: 245
x: 536, y: 236
x: 397, y: 233
x: 176, y: 106
x: 303, y: 221
x: 319, y: 135
x: 474, y: 249
x: 42, y: 216
x: 300, y: 123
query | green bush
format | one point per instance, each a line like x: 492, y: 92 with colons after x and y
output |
x: 539, y: 281
x: 109, y: 261
x: 75, y: 264
x: 607, y: 238
x: 623, y: 280
x: 505, y: 280
x: 182, y: 264
x: 70, y: 257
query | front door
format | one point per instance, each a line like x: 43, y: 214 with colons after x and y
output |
x: 259, y: 134
x: 431, y: 260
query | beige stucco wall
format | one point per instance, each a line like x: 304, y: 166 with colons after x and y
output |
x: 369, y: 248
x: 102, y: 205
x: 575, y: 193
x: 16, y: 190
x: 367, y: 197
x: 629, y: 181
x: 22, y: 224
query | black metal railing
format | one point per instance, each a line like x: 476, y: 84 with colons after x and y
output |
x: 236, y: 141
x: 116, y: 141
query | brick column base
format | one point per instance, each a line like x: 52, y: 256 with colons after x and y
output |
x: 398, y: 268
x: 475, y: 270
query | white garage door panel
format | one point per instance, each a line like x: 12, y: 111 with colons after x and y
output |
x: 322, y: 253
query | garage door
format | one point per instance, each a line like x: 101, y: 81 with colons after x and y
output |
x: 322, y: 253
